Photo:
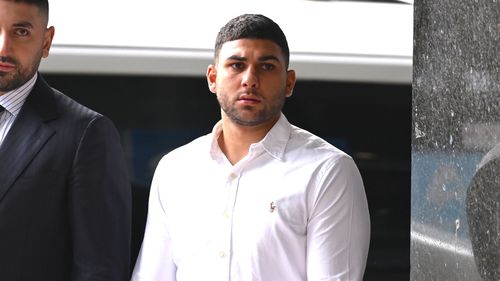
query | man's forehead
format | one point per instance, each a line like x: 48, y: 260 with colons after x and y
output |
x: 250, y: 47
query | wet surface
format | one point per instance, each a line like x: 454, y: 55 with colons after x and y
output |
x: 456, y: 126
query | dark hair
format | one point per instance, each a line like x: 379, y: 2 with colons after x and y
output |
x: 43, y: 5
x: 252, y: 26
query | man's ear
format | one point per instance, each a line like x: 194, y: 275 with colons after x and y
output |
x: 290, y: 82
x: 211, y: 78
x: 47, y: 41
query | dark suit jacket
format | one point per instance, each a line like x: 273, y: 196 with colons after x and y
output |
x: 65, y: 199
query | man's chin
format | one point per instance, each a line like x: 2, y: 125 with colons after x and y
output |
x: 249, y: 122
x: 13, y: 80
x: 6, y: 86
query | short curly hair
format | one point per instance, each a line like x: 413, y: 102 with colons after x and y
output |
x: 252, y: 26
x: 43, y: 5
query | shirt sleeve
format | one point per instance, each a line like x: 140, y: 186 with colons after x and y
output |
x: 155, y: 257
x: 338, y: 231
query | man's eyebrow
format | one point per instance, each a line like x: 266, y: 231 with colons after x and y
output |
x: 269, y: 57
x: 238, y: 58
x: 24, y: 24
x: 261, y: 59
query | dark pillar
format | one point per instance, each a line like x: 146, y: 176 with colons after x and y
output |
x: 456, y: 122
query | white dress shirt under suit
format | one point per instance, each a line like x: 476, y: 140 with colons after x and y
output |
x: 12, y: 102
x: 293, y: 209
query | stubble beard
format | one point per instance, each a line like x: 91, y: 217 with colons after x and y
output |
x: 16, y: 78
x: 249, y: 115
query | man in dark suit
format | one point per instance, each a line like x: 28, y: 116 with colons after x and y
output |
x: 65, y: 202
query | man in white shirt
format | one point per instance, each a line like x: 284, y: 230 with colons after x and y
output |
x: 258, y: 198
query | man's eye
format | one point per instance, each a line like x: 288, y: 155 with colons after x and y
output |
x: 22, y: 32
x: 237, y: 65
x: 268, y: 66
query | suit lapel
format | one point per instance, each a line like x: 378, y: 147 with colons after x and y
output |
x: 27, y: 135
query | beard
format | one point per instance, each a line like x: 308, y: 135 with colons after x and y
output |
x: 16, y: 78
x: 249, y: 115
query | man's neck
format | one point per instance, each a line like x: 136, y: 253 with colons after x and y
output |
x: 235, y: 139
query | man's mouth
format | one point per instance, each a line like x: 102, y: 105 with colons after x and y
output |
x: 7, y: 67
x: 249, y: 98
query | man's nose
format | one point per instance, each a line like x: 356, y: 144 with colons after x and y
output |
x: 250, y: 78
x: 4, y: 44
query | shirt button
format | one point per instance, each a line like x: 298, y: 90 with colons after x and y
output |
x: 233, y: 176
x: 222, y: 254
x: 226, y: 215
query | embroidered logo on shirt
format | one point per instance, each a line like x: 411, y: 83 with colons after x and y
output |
x: 272, y: 207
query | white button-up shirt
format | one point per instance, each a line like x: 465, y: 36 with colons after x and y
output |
x: 293, y: 209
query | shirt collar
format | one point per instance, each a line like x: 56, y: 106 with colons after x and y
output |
x: 273, y: 143
x: 277, y: 138
x: 215, y: 150
x: 13, y: 100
